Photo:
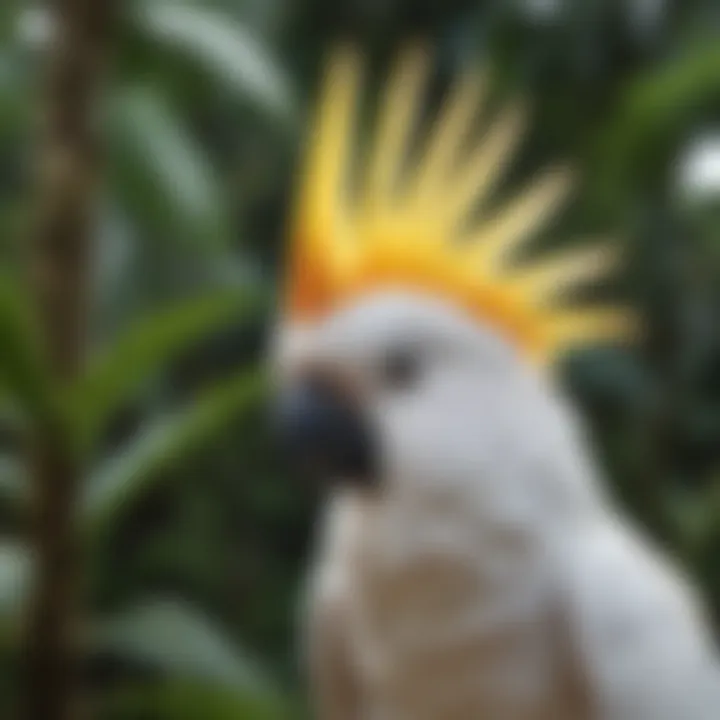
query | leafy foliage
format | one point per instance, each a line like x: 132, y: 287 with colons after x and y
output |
x: 163, y: 183
x: 144, y: 349
x: 159, y: 167
x: 183, y: 506
x: 176, y: 639
x: 166, y: 441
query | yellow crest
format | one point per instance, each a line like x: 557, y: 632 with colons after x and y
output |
x: 411, y: 230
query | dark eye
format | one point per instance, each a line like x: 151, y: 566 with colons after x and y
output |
x: 401, y: 368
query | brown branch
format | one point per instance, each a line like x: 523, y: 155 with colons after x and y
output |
x: 67, y: 180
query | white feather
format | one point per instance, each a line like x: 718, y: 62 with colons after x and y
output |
x: 490, y: 577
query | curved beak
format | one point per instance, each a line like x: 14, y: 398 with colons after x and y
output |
x: 325, y: 434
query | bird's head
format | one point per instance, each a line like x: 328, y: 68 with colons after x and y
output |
x: 410, y: 339
x: 398, y: 385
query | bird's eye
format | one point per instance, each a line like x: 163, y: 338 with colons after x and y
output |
x: 401, y: 369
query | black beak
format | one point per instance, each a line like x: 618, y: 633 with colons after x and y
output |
x: 325, y: 434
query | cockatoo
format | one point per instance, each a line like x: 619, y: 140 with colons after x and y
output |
x: 469, y: 565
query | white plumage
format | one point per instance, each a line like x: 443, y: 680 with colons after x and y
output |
x: 489, y: 577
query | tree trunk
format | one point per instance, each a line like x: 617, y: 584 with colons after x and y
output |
x: 67, y: 182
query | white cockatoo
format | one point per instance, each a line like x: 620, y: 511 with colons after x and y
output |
x: 469, y: 564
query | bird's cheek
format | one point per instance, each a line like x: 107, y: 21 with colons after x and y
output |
x: 428, y: 448
x: 407, y: 449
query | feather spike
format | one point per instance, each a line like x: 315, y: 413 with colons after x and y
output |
x: 398, y: 111
x: 487, y: 163
x: 572, y: 328
x: 451, y: 128
x: 320, y: 211
x: 547, y: 280
x: 520, y: 217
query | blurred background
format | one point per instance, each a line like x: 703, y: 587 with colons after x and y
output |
x: 192, y: 537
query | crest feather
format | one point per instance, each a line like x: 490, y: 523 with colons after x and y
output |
x: 398, y: 111
x: 494, y: 242
x: 445, y: 142
x: 408, y: 232
x: 488, y: 162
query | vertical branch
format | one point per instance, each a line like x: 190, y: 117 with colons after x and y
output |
x: 67, y: 179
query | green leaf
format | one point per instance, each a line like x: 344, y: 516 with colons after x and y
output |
x: 177, y: 640
x: 186, y: 700
x: 15, y: 575
x: 24, y: 377
x: 695, y: 516
x: 224, y: 47
x: 14, y: 486
x: 8, y: 17
x: 654, y: 110
x: 165, y: 442
x: 143, y: 350
x: 15, y: 106
x: 159, y: 170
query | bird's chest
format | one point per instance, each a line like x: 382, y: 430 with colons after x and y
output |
x: 447, y: 619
